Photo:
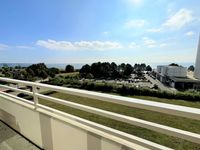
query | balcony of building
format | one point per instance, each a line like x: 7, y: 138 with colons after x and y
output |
x: 43, y: 127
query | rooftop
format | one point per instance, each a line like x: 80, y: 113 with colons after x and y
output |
x: 184, y: 79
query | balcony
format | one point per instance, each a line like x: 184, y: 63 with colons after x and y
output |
x: 9, y: 140
x: 52, y: 129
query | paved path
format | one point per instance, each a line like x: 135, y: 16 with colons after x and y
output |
x: 10, y: 140
x: 160, y: 85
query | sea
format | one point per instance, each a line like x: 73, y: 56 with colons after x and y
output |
x: 78, y: 66
x: 60, y: 66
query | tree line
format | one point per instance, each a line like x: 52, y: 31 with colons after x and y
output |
x: 111, y: 70
x: 31, y: 73
x: 104, y: 70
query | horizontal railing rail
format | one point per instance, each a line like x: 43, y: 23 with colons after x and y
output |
x: 16, y: 89
x: 182, y: 111
x: 133, y: 121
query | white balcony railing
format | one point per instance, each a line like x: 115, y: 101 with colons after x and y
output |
x: 120, y: 137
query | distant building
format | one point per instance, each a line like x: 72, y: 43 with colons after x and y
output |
x: 176, y: 77
x: 171, y: 71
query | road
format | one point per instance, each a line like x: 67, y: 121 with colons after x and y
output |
x: 160, y: 85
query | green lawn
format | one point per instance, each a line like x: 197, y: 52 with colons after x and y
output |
x: 170, y: 101
x: 173, y: 121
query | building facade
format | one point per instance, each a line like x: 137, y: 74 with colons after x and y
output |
x: 176, y: 77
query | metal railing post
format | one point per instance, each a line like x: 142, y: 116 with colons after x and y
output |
x: 35, y: 98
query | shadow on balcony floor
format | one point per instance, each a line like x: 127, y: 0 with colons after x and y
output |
x: 11, y: 140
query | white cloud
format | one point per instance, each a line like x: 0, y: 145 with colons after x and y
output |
x: 154, y: 30
x: 3, y: 46
x: 99, y: 45
x: 133, y: 45
x: 177, y: 21
x: 190, y: 33
x: 55, y: 45
x: 150, y: 43
x: 81, y: 45
x: 138, y: 23
x: 24, y: 47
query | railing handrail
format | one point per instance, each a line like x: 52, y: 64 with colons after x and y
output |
x: 193, y: 137
x: 183, y: 111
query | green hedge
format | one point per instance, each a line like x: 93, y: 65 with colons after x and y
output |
x: 124, y: 89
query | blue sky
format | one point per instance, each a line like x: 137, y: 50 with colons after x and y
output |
x: 77, y: 31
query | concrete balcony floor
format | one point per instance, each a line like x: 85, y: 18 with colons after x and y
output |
x: 11, y: 140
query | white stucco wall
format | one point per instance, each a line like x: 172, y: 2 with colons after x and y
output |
x: 48, y: 132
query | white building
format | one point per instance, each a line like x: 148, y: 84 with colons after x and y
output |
x: 159, y: 68
x: 172, y: 71
x: 197, y: 63
x: 176, y: 76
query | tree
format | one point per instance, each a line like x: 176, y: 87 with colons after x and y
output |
x: 43, y: 74
x: 191, y: 68
x: 114, y: 70
x: 53, y: 71
x: 106, y: 70
x: 86, y: 69
x: 139, y: 67
x: 30, y: 71
x: 143, y: 67
x: 18, y: 67
x: 96, y: 69
x: 122, y: 67
x: 148, y: 68
x: 69, y: 68
x: 173, y: 64
x: 127, y: 70
x: 113, y: 66
x: 37, y: 70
